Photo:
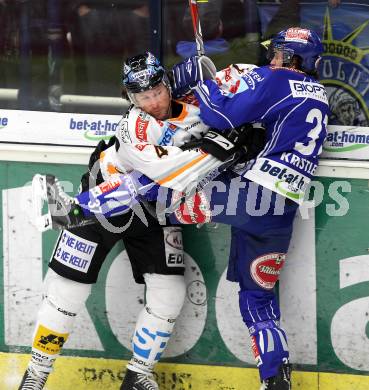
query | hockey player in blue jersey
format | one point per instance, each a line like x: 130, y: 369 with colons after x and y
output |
x: 292, y: 105
x: 260, y: 199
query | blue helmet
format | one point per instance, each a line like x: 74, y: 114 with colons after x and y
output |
x: 296, y: 41
x: 143, y: 72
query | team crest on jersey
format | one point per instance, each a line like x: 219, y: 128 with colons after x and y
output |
x: 265, y: 269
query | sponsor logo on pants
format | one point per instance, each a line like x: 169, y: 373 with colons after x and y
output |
x: 75, y: 252
x: 265, y: 269
x: 173, y: 246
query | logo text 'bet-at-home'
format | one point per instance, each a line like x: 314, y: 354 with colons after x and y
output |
x: 94, y: 130
x: 3, y: 122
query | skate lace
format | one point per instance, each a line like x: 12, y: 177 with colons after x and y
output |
x: 147, y: 382
x: 66, y: 199
x: 34, y: 379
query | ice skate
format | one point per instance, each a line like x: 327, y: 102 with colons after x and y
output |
x: 33, y: 379
x: 137, y: 381
x: 63, y: 210
x: 282, y: 381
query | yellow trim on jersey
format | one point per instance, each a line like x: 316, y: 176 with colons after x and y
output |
x: 181, y: 170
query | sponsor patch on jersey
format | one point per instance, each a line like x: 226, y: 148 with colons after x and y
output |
x: 307, y: 89
x: 279, y: 178
x: 75, y: 252
x: 265, y: 269
x: 124, y: 133
x: 141, y: 128
x: 194, y: 210
x: 250, y: 78
x: 296, y: 34
x: 173, y: 246
x: 48, y: 341
x: 167, y: 135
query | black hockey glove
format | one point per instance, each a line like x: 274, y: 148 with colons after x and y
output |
x: 254, y: 139
x: 95, y: 156
x: 246, y: 139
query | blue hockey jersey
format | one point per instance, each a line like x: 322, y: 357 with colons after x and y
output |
x: 292, y: 106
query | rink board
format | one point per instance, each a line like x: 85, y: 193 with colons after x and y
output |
x: 107, y: 374
x: 324, y: 297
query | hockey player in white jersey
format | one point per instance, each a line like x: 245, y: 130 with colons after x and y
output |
x: 177, y: 153
x: 68, y: 284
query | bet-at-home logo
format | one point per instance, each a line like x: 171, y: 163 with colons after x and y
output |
x: 3, y: 122
x: 344, y: 72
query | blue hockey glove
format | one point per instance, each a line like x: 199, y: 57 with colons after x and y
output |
x: 117, y: 195
x: 186, y: 74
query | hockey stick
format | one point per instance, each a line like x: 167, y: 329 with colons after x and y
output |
x: 197, y: 27
x: 42, y: 222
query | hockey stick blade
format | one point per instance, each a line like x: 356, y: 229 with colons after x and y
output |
x: 48, y: 221
x: 42, y: 222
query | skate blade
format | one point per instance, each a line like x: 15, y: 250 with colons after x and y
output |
x: 42, y: 222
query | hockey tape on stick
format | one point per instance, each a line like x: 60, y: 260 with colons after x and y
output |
x: 197, y: 27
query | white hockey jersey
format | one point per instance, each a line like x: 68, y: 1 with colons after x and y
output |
x: 151, y: 146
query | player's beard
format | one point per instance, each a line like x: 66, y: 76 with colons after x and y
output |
x: 162, y: 114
